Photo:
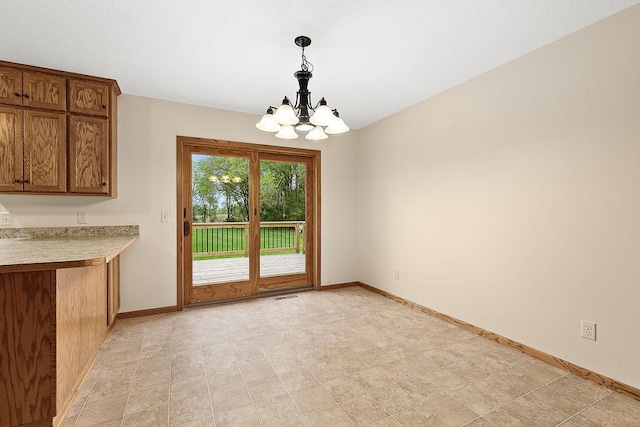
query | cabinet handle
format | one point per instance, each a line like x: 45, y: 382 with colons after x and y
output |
x: 26, y: 181
x: 104, y: 184
x: 104, y: 107
x: 25, y: 95
x: 17, y: 181
x: 16, y: 94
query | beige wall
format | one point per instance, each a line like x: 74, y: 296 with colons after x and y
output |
x: 513, y: 200
x: 147, y: 130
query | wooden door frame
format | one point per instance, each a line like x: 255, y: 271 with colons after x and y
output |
x: 183, y: 145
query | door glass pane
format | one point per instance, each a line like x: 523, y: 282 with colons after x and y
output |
x: 282, y: 218
x: 220, y: 236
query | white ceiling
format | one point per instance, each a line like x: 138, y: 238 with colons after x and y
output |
x: 372, y: 58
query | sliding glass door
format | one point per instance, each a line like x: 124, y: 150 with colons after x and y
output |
x: 248, y: 220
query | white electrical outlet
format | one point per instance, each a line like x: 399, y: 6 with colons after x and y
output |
x: 82, y: 217
x: 396, y: 274
x: 5, y: 218
x: 164, y: 216
x: 588, y: 330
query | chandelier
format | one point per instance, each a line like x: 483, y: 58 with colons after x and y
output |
x: 317, y: 121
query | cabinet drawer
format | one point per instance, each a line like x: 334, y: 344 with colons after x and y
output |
x: 89, y: 98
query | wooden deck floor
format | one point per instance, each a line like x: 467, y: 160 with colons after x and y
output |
x: 233, y: 269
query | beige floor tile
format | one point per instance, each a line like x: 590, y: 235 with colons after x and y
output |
x: 298, y: 379
x: 334, y: 417
x: 386, y: 422
x: 363, y: 410
x: 189, y: 409
x: 154, y: 415
x: 475, y: 399
x: 144, y: 380
x: 507, y: 417
x: 187, y: 387
x: 420, y: 389
x: 257, y: 370
x: 418, y: 416
x: 480, y: 422
x: 569, y: 395
x: 343, y: 388
x: 449, y: 410
x: 266, y: 389
x: 372, y: 379
x: 244, y: 416
x: 358, y: 345
x: 613, y: 411
x: 394, y: 398
x: 147, y: 399
x: 101, y: 410
x: 225, y: 399
x: 312, y: 399
x: 203, y: 422
x: 324, y: 371
x: 540, y: 412
x: 276, y: 410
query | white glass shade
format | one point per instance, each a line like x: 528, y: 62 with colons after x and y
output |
x: 286, y: 132
x: 304, y: 127
x: 285, y: 115
x: 268, y: 124
x: 322, y: 116
x: 336, y: 126
x: 316, y: 134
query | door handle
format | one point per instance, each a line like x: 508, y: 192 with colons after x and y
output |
x: 186, y: 228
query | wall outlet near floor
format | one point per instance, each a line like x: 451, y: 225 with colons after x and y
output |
x: 5, y: 218
x: 396, y: 274
x: 164, y: 216
x: 82, y: 217
x: 588, y: 330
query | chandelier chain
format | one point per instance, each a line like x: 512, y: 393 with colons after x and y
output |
x: 306, y: 65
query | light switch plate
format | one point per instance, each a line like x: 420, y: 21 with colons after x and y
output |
x: 82, y: 217
x: 164, y: 216
x: 5, y: 218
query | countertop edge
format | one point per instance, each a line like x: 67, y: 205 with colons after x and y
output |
x: 56, y: 265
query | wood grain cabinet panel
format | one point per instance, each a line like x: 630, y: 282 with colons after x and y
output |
x: 32, y: 89
x: 88, y: 155
x: 44, y: 91
x: 89, y: 98
x: 27, y: 334
x: 10, y: 149
x: 45, y: 151
x: 10, y: 86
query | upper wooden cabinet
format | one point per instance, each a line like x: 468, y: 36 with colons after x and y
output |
x: 32, y: 89
x: 89, y: 98
x: 45, y: 152
x: 88, y: 155
x: 11, y: 149
x: 57, y: 131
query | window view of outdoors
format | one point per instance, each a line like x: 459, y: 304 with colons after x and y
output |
x: 221, y: 219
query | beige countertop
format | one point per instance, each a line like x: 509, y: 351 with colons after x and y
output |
x: 57, y: 248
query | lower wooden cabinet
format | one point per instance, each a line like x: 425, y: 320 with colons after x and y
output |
x: 113, y: 289
x: 53, y: 325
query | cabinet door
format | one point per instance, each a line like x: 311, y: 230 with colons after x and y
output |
x: 113, y: 289
x: 45, y: 152
x: 10, y: 86
x: 44, y: 91
x: 88, y: 155
x: 10, y: 149
x: 89, y: 98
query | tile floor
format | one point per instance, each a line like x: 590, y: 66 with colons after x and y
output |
x: 338, y: 358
